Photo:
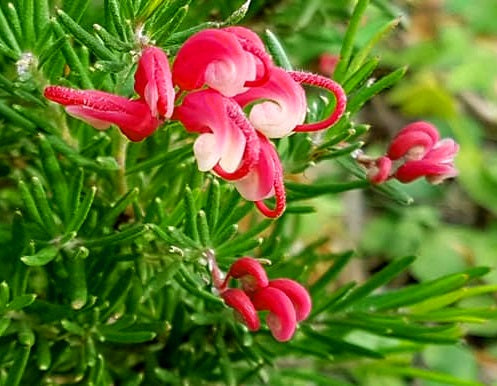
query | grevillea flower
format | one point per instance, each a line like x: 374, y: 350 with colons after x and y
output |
x: 225, y: 60
x: 153, y: 82
x: 287, y: 301
x: 416, y: 151
x: 226, y: 137
x: 101, y: 109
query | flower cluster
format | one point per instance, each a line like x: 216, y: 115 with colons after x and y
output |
x: 416, y: 151
x: 138, y: 118
x: 287, y: 301
x: 224, y: 72
x: 218, y: 74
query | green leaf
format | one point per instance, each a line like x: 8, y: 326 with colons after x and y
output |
x: 128, y: 337
x: 366, y: 93
x: 377, y: 280
x: 84, y: 37
x: 348, y: 40
x: 19, y: 302
x: 365, y: 50
x: 276, y: 49
x: 42, y: 257
x: 81, y: 213
x: 16, y: 371
x: 126, y: 235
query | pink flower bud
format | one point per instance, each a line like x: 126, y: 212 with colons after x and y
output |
x: 380, y: 171
x: 153, y: 82
x: 297, y: 294
x: 413, y: 141
x: 327, y: 63
x: 241, y: 303
x: 250, y: 272
x: 101, y: 109
x: 281, y: 319
x: 223, y: 60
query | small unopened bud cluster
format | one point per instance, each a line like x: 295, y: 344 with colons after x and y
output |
x: 416, y: 151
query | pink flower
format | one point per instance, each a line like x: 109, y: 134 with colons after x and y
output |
x: 286, y: 300
x: 327, y: 63
x: 153, y: 82
x: 225, y: 60
x: 101, y: 109
x: 225, y: 134
x: 415, y: 152
x: 437, y: 165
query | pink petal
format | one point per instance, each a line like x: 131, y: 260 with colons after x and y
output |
x: 250, y: 272
x: 237, y: 299
x: 214, y: 58
x: 280, y: 104
x: 434, y: 172
x: 443, y: 151
x: 259, y: 183
x: 206, y: 111
x: 297, y: 294
x: 327, y: 84
x: 102, y: 109
x: 153, y: 82
x: 252, y: 146
x: 413, y: 145
x: 281, y: 319
x: 380, y: 172
x: 421, y: 126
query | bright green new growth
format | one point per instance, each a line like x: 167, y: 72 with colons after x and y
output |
x: 103, y: 270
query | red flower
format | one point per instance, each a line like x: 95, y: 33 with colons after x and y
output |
x: 286, y: 300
